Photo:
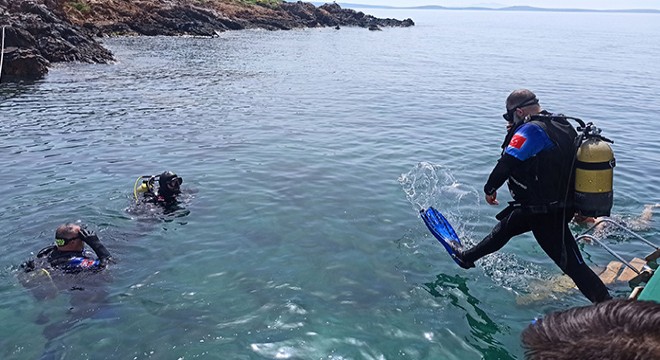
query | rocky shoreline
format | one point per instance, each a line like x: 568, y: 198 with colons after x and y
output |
x: 41, y: 32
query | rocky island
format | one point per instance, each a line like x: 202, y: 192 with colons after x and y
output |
x: 40, y: 32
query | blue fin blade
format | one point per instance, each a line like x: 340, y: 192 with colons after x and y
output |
x: 441, y: 229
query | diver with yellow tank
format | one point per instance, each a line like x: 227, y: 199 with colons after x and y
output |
x: 164, y: 193
x: 538, y: 161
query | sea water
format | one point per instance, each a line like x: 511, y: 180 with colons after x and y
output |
x: 306, y: 155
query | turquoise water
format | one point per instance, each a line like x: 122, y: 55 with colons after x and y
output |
x: 305, y: 155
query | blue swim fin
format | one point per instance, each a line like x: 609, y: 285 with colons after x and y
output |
x: 442, y: 230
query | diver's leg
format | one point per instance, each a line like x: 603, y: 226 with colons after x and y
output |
x: 548, y: 230
x: 515, y: 223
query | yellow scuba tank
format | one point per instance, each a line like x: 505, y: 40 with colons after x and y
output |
x: 147, y: 185
x: 594, y: 174
x: 144, y: 187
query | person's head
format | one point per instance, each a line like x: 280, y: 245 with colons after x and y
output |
x: 615, y: 329
x: 519, y: 104
x: 169, y: 184
x: 67, y: 238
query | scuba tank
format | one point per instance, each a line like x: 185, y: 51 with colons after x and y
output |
x: 594, y: 172
x: 147, y: 185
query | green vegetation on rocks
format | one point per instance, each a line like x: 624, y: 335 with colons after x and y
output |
x: 81, y: 6
x: 266, y: 3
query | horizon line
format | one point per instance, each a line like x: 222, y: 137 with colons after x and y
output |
x: 504, y: 8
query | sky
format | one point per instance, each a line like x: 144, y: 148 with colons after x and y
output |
x: 575, y: 4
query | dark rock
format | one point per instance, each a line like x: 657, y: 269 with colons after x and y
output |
x: 37, y: 37
x: 23, y: 64
x: 300, y: 10
x: 349, y: 17
x: 62, y: 30
x: 374, y: 27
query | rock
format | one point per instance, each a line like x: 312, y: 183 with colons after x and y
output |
x: 23, y: 64
x: 349, y: 17
x: 36, y: 36
x: 207, y: 18
x: 46, y: 31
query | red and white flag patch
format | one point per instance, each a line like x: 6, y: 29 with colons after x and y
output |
x: 517, y: 141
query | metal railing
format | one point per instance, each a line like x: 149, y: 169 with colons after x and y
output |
x: 586, y: 235
x: 2, y: 51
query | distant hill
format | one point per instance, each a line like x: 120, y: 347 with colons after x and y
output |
x: 508, y: 8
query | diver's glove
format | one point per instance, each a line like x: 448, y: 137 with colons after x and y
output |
x: 104, y: 262
x: 28, y: 265
x: 93, y: 241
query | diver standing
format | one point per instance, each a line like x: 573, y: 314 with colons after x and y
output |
x: 537, y: 162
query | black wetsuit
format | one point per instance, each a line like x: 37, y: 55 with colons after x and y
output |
x: 168, y: 201
x: 73, y: 261
x: 164, y: 196
x: 67, y: 261
x: 537, y: 161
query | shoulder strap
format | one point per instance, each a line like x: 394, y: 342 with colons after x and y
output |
x: 46, y: 251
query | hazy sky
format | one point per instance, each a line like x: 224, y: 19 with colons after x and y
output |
x: 581, y: 4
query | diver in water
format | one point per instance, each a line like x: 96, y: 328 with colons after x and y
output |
x: 66, y: 268
x: 635, y: 223
x: 169, y: 187
x: 603, y: 229
x: 68, y: 253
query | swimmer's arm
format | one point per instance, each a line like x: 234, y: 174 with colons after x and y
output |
x: 93, y: 241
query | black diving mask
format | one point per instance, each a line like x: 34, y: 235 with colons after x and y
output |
x: 175, y: 182
x: 509, y: 115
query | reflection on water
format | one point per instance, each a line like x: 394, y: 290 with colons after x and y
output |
x: 482, y: 328
x: 66, y: 301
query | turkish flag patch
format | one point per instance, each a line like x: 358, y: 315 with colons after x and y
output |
x: 517, y: 141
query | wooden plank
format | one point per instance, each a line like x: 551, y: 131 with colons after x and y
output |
x: 627, y: 274
x: 610, y: 273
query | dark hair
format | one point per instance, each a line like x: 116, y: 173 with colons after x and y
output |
x: 615, y: 329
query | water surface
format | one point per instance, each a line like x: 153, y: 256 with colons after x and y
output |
x: 298, y: 150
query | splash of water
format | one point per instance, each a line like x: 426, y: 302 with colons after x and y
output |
x: 428, y: 184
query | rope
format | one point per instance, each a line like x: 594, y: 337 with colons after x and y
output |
x: 2, y: 51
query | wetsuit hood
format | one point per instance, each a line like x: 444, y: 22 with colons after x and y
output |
x: 166, y: 178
